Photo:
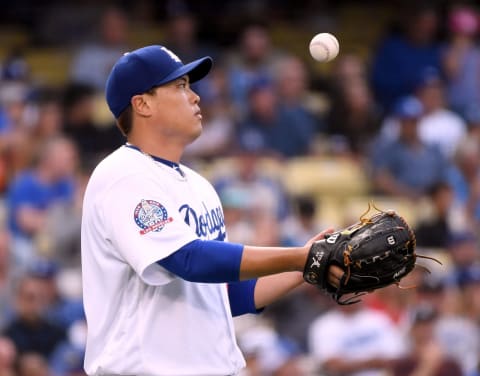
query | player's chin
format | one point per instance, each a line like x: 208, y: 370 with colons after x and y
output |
x: 196, y: 131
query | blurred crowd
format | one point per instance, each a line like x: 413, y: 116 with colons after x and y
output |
x: 405, y: 115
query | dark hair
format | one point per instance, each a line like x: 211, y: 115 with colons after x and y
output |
x: 125, y: 120
x: 438, y: 187
x: 75, y: 92
x: 306, y: 206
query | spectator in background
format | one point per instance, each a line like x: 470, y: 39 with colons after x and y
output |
x: 439, y: 125
x: 32, y: 364
x: 353, y: 119
x: 68, y: 357
x: 253, y: 62
x: 464, y: 252
x: 47, y: 119
x: 182, y: 36
x: 464, y: 177
x: 435, y: 231
x: 13, y: 101
x: 8, y: 354
x: 426, y: 356
x: 432, y: 291
x: 6, y: 275
x: 466, y: 345
x: 35, y: 191
x: 218, y: 127
x: 92, y: 63
x: 78, y: 106
x: 472, y: 117
x: 15, y: 67
x: 458, y: 331
x: 302, y: 224
x: 247, y: 175
x: 14, y: 130
x: 267, y: 228
x: 14, y: 90
x: 248, y: 221
x: 291, y: 81
x: 291, y: 317
x: 273, y: 128
x: 469, y: 285
x: 15, y: 116
x: 461, y: 59
x: 91, y: 140
x: 407, y: 167
x: 391, y: 301
x: 237, y: 208
x: 28, y: 329
x: 348, y: 68
x: 267, y: 353
x: 181, y: 33
x: 455, y: 333
x: 63, y: 247
x: 401, y: 57
x: 60, y: 310
x: 361, y: 341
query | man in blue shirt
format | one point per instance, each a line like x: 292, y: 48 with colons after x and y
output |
x: 407, y: 167
x: 33, y: 192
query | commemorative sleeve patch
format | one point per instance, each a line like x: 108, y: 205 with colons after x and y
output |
x: 150, y: 216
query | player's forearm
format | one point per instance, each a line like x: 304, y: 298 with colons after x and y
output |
x: 270, y: 288
x: 215, y: 261
x: 261, y: 261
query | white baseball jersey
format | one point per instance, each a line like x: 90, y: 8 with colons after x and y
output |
x: 143, y: 320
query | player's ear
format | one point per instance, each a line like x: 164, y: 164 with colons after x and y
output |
x: 141, y: 105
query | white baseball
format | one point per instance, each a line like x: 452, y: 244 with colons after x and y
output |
x: 324, y: 47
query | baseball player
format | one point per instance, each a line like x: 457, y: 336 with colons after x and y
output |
x: 160, y: 281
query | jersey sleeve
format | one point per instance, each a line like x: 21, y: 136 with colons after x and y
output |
x: 144, y: 226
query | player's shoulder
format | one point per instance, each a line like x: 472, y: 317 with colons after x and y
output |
x: 121, y: 157
x: 117, y: 166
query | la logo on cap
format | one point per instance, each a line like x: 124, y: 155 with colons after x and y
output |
x: 171, y: 54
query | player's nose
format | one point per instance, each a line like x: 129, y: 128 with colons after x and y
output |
x: 195, y: 98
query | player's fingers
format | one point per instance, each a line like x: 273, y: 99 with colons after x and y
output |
x: 321, y: 235
x: 335, y: 274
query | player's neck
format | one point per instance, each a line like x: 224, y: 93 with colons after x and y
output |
x: 158, y: 148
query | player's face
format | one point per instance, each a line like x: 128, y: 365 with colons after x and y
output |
x: 176, y: 112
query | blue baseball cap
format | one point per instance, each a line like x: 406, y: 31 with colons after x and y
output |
x: 468, y: 276
x: 140, y: 70
x: 461, y: 237
x: 43, y: 268
x: 408, y: 108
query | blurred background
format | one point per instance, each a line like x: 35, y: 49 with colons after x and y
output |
x: 292, y: 145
